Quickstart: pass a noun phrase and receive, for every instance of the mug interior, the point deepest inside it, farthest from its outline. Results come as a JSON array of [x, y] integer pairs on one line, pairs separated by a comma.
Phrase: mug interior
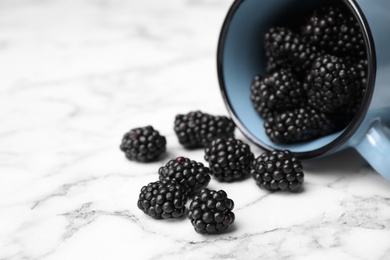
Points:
[[241, 56]]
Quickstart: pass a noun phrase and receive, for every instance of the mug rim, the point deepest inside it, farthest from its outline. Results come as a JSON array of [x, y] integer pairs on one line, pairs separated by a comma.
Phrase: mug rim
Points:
[[358, 117]]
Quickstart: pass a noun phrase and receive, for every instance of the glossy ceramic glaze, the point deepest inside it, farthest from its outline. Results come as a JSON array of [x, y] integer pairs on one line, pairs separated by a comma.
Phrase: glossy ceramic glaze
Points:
[[240, 57]]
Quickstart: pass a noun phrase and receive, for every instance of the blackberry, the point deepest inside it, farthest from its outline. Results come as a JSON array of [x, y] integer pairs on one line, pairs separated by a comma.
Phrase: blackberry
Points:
[[335, 30], [277, 170], [323, 26], [350, 39], [329, 84], [273, 64], [211, 211], [143, 144], [286, 49], [360, 69], [301, 124], [191, 175], [162, 199], [197, 129], [345, 114], [276, 92], [261, 107], [229, 159]]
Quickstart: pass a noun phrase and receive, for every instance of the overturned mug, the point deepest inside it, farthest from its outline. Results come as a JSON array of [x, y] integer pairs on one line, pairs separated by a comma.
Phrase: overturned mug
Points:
[[240, 58]]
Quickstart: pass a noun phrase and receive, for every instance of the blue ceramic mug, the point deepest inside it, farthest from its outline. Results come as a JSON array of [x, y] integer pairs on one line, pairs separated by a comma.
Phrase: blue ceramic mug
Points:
[[240, 58]]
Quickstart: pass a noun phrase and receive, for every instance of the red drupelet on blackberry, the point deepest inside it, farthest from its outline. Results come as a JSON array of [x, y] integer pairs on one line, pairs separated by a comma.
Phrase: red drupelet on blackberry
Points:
[[278, 170], [330, 84], [143, 144], [191, 175], [276, 92], [298, 125], [197, 129], [162, 199], [229, 159], [210, 212]]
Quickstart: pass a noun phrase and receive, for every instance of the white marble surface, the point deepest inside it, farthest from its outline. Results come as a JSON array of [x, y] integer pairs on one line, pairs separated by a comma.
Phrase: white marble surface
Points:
[[76, 74]]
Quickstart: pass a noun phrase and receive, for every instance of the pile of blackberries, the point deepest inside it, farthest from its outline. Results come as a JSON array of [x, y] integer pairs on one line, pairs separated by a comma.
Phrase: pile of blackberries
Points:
[[181, 179], [315, 77]]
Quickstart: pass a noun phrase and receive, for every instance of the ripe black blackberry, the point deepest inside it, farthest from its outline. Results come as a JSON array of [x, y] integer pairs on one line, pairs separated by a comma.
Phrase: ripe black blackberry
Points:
[[286, 49], [360, 69], [191, 175], [278, 170], [297, 125], [162, 199], [143, 144], [197, 129], [345, 114], [323, 26], [211, 212], [273, 64], [229, 159], [335, 30], [351, 39], [278, 91], [261, 107], [329, 84]]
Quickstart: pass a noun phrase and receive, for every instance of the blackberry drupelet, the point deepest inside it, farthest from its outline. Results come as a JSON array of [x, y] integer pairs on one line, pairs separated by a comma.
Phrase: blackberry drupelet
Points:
[[211, 212], [191, 175], [329, 84], [297, 125], [286, 49], [143, 144], [162, 199], [229, 159], [278, 170], [197, 129], [335, 30], [278, 91]]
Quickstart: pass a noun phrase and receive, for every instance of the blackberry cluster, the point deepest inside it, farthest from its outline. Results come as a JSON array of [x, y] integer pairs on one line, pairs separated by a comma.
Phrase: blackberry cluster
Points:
[[298, 125], [315, 80], [360, 71], [278, 170], [273, 64], [191, 175], [143, 144], [197, 129], [276, 92], [162, 199], [229, 159], [330, 84], [336, 31], [323, 27], [210, 212], [288, 50]]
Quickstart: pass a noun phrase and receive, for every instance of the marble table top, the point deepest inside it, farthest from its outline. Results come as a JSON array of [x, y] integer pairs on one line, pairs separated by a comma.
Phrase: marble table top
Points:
[[77, 74]]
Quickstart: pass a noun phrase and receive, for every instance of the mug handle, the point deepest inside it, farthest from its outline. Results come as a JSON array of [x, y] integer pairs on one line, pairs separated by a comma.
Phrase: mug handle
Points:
[[375, 148]]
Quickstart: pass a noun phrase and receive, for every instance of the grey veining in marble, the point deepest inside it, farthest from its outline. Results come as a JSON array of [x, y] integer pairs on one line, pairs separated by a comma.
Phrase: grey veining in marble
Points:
[[75, 75]]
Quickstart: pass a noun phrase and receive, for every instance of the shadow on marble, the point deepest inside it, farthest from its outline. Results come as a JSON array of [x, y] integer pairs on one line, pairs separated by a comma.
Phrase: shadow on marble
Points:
[[347, 162]]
